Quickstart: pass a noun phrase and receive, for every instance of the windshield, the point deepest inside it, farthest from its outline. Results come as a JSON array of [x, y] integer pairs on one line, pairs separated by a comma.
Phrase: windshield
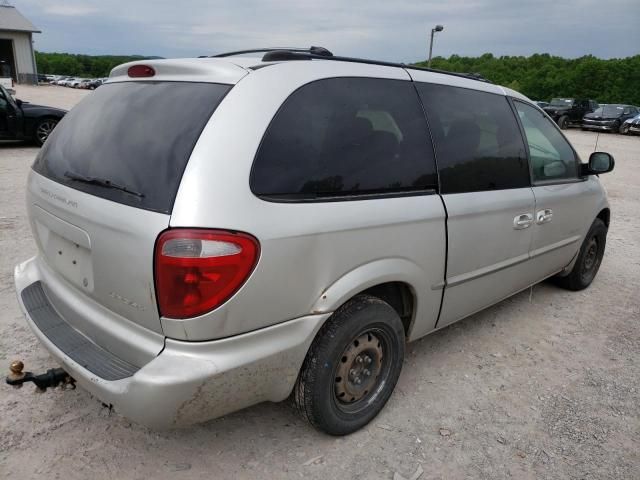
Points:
[[609, 111], [130, 142], [561, 102]]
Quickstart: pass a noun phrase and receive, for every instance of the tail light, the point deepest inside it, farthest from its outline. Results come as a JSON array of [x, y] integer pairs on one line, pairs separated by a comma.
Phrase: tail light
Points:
[[141, 71], [198, 270]]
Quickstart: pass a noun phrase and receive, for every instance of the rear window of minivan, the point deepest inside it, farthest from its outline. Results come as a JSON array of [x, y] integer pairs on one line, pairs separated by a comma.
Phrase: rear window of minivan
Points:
[[130, 142]]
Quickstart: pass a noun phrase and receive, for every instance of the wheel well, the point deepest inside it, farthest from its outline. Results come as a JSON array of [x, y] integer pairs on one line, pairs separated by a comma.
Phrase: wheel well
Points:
[[401, 298], [605, 216]]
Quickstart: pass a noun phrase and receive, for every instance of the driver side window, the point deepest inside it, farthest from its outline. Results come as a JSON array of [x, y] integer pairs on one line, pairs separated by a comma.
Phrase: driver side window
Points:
[[551, 156]]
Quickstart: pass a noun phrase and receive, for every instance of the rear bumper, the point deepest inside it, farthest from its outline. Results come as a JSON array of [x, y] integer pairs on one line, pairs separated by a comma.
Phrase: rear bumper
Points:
[[187, 382]]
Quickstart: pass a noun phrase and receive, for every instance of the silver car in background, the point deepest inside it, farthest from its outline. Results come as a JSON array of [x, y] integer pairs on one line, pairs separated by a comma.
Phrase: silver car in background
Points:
[[217, 232]]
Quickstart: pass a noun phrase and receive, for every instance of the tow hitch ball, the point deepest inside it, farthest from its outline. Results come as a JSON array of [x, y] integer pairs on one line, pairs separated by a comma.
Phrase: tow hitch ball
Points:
[[52, 378]]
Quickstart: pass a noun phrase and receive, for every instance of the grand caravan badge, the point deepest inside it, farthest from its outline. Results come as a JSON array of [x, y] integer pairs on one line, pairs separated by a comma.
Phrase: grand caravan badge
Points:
[[59, 198]]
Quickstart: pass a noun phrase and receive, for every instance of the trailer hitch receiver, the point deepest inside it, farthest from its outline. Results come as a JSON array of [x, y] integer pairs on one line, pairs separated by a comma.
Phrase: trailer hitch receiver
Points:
[[50, 379]]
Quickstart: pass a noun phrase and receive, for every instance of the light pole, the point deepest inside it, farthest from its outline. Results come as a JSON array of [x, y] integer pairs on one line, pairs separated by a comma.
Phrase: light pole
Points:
[[437, 28]]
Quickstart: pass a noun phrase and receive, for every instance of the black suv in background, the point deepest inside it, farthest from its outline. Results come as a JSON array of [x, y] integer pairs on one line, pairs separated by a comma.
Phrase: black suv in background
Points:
[[609, 117], [567, 112]]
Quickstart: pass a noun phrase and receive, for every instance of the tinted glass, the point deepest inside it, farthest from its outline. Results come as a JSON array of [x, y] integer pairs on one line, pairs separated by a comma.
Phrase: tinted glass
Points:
[[561, 102], [551, 156], [346, 136], [138, 135], [609, 111], [477, 139]]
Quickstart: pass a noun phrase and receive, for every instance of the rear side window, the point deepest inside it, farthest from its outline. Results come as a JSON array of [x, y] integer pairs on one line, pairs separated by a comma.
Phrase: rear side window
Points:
[[551, 156], [130, 142], [344, 137], [477, 139]]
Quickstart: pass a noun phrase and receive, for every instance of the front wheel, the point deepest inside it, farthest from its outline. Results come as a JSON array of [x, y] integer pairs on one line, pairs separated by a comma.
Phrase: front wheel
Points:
[[44, 129], [352, 366], [589, 259], [616, 127], [624, 129]]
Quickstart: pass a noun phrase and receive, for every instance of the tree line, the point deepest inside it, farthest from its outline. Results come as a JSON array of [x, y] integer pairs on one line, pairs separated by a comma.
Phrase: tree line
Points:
[[91, 66], [539, 76], [543, 76]]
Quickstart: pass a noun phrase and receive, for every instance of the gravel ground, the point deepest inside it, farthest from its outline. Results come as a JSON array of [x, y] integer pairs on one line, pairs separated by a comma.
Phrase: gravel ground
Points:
[[542, 385]]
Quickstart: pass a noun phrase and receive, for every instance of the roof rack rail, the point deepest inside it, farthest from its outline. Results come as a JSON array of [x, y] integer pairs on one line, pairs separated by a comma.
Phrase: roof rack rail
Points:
[[284, 54], [279, 54], [321, 51]]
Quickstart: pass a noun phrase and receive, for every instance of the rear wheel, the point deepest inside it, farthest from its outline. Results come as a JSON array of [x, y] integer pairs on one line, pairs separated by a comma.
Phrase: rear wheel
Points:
[[352, 366], [589, 259], [44, 129], [563, 122]]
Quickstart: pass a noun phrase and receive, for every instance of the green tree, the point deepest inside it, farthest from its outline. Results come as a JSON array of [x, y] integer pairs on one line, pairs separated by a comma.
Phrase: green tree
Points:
[[543, 76]]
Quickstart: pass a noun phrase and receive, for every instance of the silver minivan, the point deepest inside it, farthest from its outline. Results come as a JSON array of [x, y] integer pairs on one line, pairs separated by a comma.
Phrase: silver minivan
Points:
[[217, 232]]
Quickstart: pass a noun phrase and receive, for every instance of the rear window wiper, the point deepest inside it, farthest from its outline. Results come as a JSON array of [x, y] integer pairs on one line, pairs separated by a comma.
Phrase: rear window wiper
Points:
[[101, 182]]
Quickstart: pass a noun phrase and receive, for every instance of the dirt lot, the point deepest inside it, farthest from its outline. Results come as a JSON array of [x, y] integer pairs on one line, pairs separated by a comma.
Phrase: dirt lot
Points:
[[543, 385]]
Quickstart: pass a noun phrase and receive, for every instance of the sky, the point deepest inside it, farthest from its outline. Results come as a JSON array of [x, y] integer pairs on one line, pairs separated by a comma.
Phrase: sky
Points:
[[386, 30]]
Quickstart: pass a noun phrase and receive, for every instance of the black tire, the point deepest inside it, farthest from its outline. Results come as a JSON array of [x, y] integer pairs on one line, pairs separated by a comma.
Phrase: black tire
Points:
[[364, 333], [589, 259], [563, 122], [624, 129], [43, 129], [616, 127]]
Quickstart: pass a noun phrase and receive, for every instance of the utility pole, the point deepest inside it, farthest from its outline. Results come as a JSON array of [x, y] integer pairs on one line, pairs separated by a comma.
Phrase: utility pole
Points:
[[437, 28]]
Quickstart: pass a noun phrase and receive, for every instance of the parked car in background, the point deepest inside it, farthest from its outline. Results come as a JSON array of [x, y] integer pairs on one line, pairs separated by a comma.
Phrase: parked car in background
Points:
[[334, 236], [91, 84], [75, 83], [541, 104], [64, 80], [26, 121], [569, 112], [631, 125], [609, 118]]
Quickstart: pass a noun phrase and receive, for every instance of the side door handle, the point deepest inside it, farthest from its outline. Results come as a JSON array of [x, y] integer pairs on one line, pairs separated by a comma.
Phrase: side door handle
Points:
[[544, 216], [522, 221]]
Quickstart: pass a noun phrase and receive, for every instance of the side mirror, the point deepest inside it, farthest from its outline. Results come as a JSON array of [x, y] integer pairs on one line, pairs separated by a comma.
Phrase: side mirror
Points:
[[599, 162], [19, 102]]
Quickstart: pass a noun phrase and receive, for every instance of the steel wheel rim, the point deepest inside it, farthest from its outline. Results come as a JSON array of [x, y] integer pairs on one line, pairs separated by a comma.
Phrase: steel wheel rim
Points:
[[44, 129], [362, 370], [591, 258]]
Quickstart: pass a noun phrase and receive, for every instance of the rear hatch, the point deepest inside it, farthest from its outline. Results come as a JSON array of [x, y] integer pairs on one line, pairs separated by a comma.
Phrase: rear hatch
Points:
[[104, 184]]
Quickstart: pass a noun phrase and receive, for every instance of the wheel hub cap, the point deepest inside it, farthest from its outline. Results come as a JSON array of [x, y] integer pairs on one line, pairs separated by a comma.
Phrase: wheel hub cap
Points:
[[44, 130], [359, 368]]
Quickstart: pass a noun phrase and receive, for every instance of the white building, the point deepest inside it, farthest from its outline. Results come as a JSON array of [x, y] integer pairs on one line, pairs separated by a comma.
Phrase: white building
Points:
[[16, 44]]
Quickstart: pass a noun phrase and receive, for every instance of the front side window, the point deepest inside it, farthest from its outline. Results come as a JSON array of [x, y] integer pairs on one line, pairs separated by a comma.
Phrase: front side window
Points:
[[551, 156], [477, 140], [344, 137]]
